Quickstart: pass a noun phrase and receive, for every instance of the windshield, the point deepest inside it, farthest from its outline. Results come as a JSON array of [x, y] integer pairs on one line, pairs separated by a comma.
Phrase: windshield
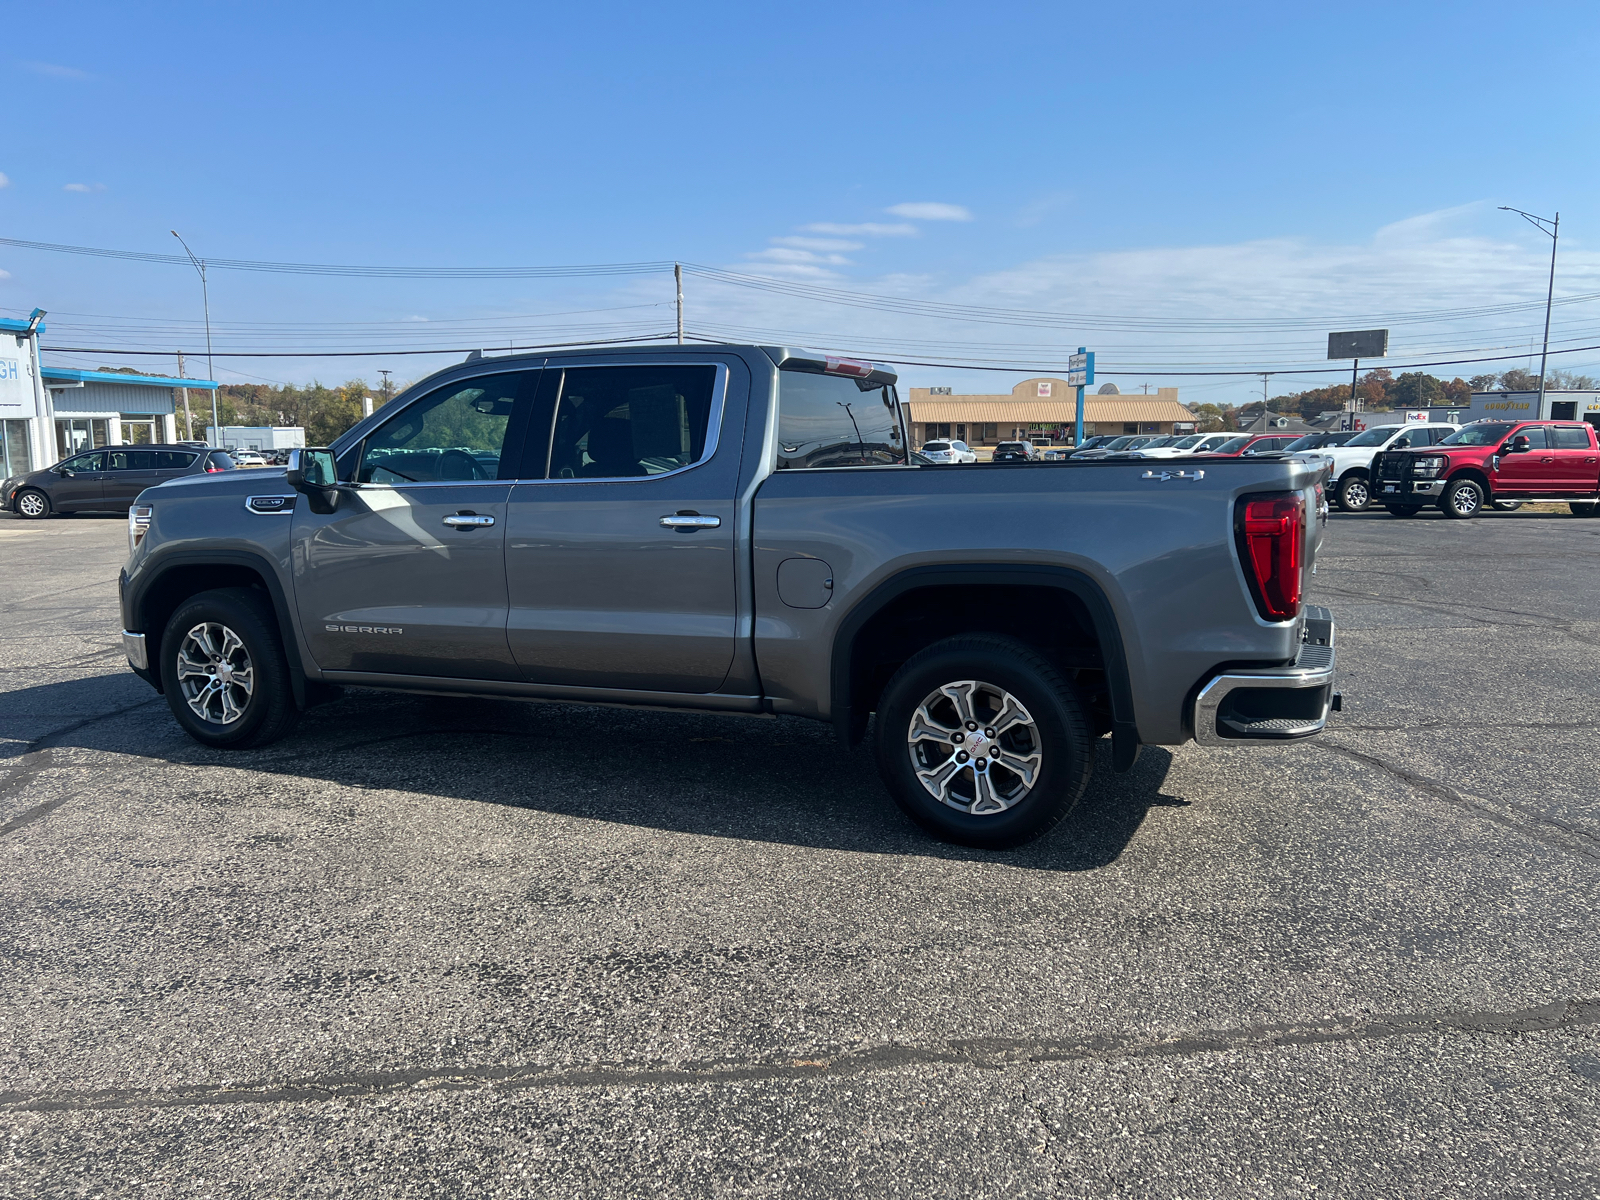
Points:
[[1232, 445], [1479, 435], [1117, 443], [1309, 442], [1374, 437], [936, 446]]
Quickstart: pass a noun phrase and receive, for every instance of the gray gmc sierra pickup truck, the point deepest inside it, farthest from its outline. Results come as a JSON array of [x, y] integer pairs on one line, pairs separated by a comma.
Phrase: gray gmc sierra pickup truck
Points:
[[744, 529]]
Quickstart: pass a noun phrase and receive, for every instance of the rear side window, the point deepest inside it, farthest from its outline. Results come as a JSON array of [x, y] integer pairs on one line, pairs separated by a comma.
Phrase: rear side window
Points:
[[131, 460], [1571, 437], [830, 421], [173, 460], [220, 461], [630, 422]]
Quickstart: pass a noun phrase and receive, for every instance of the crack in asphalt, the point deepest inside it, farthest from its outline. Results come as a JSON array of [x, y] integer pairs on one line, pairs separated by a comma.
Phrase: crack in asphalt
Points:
[[983, 1053], [1527, 822]]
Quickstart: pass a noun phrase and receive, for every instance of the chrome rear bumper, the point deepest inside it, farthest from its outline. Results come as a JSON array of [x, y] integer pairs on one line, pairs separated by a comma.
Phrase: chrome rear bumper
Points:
[[1272, 704]]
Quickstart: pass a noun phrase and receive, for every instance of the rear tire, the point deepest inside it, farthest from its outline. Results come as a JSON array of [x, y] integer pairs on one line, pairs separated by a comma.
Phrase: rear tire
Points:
[[1404, 510], [1591, 509], [1036, 762], [224, 671], [1355, 494], [1462, 500], [1507, 505], [32, 504]]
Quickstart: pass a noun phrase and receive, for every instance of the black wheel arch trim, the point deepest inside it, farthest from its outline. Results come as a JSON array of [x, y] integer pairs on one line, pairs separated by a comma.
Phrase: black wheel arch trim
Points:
[[139, 586], [850, 725]]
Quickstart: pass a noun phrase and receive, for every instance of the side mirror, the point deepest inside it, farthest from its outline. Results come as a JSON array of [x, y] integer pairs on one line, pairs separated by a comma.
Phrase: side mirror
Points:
[[1517, 445], [315, 475]]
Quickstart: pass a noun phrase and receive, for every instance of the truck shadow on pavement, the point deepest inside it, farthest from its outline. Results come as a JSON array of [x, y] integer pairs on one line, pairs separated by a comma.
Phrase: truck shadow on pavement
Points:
[[782, 781]]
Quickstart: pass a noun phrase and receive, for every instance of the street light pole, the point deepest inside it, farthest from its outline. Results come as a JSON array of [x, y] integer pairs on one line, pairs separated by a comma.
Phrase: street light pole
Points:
[[1554, 234], [211, 371]]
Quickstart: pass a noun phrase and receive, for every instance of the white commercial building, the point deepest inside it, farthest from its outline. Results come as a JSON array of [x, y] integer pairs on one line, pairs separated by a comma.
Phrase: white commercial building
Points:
[[48, 413]]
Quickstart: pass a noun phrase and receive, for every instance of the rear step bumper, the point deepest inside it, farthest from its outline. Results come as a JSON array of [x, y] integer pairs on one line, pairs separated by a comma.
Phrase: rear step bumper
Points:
[[1274, 704]]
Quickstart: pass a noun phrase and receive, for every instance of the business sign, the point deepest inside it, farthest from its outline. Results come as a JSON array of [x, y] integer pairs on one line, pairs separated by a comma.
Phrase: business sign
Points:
[[1080, 370], [1420, 414], [1359, 343], [16, 379]]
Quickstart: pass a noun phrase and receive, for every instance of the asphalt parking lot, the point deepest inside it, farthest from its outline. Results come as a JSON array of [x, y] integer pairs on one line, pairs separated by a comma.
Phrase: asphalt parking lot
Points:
[[431, 948]]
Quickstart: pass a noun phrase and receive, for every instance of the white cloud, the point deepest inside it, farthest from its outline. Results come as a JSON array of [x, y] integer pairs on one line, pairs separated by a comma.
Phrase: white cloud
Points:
[[787, 254], [865, 229], [930, 211], [84, 187], [5, 180], [414, 318], [5, 274], [56, 71], [805, 243]]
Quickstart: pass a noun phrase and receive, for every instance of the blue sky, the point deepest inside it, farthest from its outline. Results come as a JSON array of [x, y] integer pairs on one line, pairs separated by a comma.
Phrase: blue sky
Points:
[[1171, 163]]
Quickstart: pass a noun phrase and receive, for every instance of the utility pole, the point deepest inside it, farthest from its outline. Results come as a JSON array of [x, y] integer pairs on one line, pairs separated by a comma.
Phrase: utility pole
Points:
[[677, 276], [188, 417], [1554, 234], [211, 370], [387, 390]]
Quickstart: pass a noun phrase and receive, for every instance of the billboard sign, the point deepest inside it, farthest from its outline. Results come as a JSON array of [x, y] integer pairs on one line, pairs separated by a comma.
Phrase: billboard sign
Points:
[[1359, 343]]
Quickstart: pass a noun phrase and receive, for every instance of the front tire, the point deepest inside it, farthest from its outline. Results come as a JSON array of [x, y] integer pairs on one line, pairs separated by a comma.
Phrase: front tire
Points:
[[224, 671], [1024, 755], [1462, 500], [32, 504], [1355, 494]]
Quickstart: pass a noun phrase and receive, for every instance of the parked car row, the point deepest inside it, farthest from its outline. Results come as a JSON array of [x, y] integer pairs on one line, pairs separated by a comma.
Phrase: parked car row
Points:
[[1499, 463]]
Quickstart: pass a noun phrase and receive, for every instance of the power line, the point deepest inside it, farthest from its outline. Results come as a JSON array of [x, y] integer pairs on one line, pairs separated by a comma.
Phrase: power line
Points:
[[288, 268]]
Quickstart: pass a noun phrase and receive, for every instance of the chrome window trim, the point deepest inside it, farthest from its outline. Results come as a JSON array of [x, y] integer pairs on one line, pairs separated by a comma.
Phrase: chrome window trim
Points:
[[719, 388], [719, 396]]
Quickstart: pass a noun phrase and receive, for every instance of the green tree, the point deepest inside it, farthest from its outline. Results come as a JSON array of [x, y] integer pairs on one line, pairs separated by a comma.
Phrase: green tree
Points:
[[1416, 389]]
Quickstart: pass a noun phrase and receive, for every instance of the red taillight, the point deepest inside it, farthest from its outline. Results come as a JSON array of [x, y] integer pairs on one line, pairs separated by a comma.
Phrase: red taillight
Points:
[[847, 366], [1272, 534], [213, 470]]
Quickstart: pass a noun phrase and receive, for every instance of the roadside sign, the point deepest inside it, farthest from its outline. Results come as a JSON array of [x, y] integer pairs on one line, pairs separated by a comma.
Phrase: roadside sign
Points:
[[1359, 343], [1079, 372]]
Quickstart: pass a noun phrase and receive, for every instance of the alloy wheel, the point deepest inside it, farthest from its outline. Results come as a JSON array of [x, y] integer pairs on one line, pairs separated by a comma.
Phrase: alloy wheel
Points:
[[975, 747], [1465, 501], [31, 504], [215, 673]]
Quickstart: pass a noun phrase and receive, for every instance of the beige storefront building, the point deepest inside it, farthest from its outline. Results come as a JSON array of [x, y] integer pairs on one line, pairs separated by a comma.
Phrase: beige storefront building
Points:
[[1040, 407]]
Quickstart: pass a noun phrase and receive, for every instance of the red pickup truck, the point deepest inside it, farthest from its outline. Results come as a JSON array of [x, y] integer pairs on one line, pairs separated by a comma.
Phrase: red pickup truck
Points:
[[1490, 461]]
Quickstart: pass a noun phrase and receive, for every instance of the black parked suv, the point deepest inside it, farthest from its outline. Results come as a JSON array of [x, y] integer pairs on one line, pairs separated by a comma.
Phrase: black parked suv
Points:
[[106, 480]]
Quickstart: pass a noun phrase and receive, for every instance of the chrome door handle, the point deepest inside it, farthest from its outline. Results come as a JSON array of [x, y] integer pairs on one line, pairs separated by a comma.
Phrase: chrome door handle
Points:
[[467, 521], [691, 521]]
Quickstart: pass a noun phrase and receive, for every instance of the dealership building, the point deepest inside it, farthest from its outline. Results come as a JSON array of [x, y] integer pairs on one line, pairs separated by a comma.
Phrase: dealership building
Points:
[[48, 413], [1043, 406]]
